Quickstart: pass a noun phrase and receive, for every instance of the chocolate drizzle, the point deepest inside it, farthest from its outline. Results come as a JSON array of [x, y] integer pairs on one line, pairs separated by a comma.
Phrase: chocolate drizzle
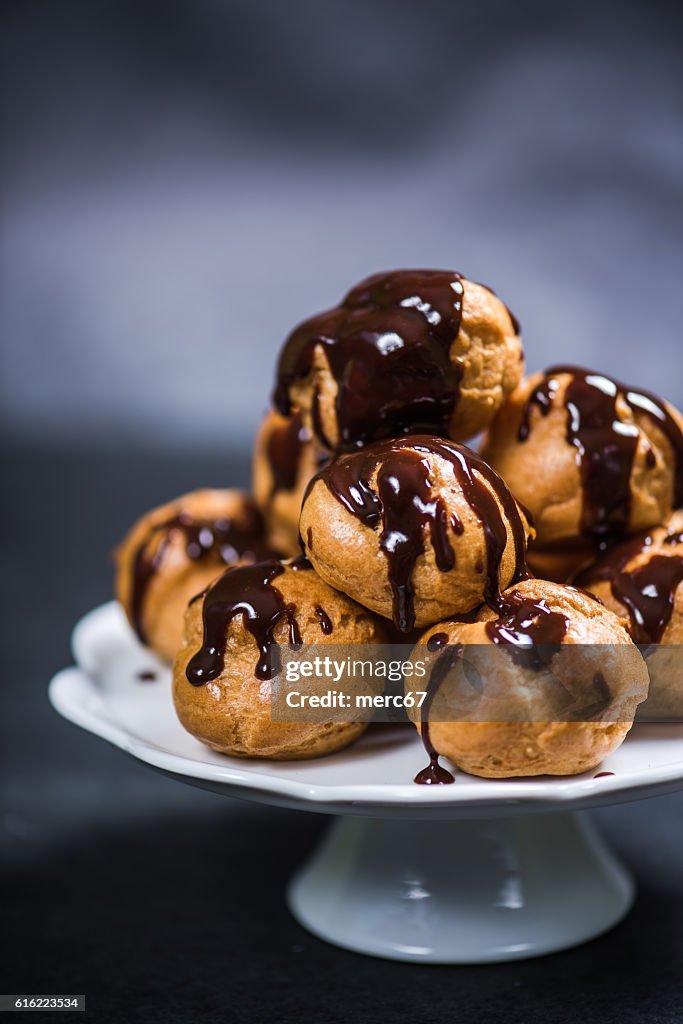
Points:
[[606, 443], [324, 619], [245, 591], [533, 631], [402, 504], [221, 540], [388, 347], [647, 591], [435, 774]]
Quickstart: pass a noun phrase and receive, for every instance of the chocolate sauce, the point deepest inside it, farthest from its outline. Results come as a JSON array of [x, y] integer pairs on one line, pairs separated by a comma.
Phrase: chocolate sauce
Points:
[[402, 503], [325, 621], [435, 774], [388, 348], [673, 538], [606, 444], [602, 775], [245, 590], [219, 540], [648, 591], [532, 630], [436, 641], [147, 676], [300, 563], [284, 448]]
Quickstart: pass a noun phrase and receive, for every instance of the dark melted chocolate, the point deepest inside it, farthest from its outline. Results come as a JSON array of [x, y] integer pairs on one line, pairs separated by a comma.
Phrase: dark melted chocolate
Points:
[[147, 676], [435, 774], [324, 619], [220, 540], [402, 505], [533, 631], [245, 591], [605, 443], [647, 591], [388, 347]]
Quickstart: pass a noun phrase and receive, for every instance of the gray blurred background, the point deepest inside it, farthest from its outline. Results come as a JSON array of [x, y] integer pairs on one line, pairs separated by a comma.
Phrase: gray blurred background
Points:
[[183, 182]]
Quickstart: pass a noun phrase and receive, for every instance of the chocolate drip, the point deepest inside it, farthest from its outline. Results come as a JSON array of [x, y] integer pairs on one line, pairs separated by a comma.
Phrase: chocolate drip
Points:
[[436, 641], [647, 591], [605, 443], [435, 774], [147, 676], [388, 348], [248, 591], [602, 775], [533, 631], [324, 619], [401, 501], [284, 448], [220, 540], [300, 563]]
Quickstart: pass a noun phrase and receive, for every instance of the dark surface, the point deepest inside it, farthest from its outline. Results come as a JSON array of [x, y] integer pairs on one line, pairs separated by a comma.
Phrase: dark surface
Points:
[[164, 903]]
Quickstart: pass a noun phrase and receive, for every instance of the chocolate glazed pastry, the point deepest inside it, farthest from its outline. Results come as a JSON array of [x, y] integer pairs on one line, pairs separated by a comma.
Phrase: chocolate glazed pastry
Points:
[[641, 578], [553, 705], [174, 551], [415, 528], [623, 447], [223, 674], [285, 459], [406, 351]]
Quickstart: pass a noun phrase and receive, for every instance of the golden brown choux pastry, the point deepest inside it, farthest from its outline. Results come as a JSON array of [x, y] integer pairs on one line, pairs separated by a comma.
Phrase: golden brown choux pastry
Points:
[[416, 529], [405, 352], [592, 459], [642, 580], [559, 655], [223, 674], [173, 551], [285, 459]]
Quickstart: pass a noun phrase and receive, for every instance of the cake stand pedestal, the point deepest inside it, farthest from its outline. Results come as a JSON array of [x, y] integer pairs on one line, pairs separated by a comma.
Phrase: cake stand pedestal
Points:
[[456, 892]]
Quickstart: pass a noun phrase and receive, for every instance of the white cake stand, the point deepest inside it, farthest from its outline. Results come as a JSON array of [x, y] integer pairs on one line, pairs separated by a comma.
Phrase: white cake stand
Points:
[[476, 872]]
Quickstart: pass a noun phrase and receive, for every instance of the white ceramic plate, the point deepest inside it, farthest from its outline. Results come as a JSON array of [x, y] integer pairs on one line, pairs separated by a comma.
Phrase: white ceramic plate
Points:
[[105, 696]]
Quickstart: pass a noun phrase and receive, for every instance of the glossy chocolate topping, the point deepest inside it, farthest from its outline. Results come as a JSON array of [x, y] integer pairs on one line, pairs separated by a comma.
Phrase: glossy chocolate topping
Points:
[[435, 774], [324, 619], [388, 487], [605, 443], [647, 591], [533, 631], [245, 591], [388, 348], [223, 541]]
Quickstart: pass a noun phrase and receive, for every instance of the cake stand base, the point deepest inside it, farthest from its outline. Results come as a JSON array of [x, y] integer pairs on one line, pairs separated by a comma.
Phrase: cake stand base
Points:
[[460, 892]]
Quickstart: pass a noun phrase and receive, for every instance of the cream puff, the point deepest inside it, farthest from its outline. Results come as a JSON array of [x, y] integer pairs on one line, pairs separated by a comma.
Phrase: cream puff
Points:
[[642, 580], [406, 351], [593, 460], [416, 529], [174, 550], [546, 685], [285, 458], [224, 673]]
